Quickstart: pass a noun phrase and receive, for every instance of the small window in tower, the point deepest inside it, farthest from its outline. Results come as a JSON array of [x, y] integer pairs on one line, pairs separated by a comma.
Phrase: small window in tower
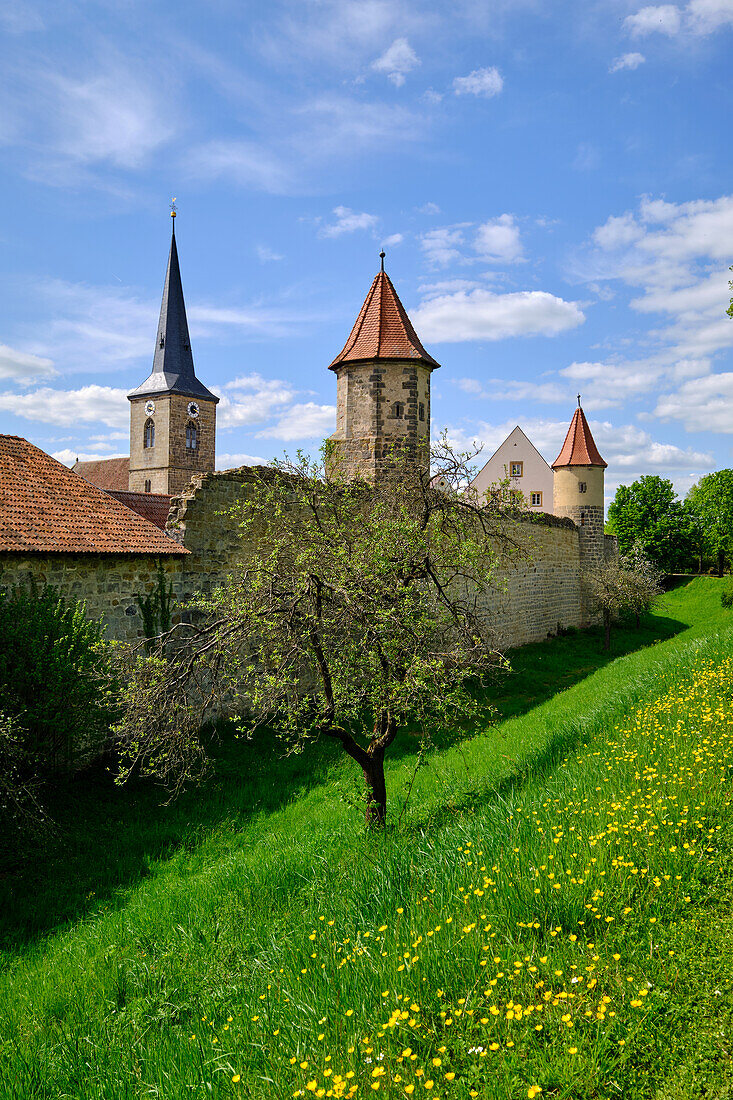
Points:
[[147, 486], [582, 487], [421, 411], [191, 437], [398, 410], [149, 434], [582, 519], [517, 469]]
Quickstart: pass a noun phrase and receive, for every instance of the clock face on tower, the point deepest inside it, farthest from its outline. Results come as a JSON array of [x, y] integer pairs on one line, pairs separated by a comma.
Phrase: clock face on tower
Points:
[[192, 410], [149, 408]]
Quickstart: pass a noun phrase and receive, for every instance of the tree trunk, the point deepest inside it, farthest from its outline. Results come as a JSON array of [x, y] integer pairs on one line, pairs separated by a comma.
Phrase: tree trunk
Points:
[[606, 629], [376, 789]]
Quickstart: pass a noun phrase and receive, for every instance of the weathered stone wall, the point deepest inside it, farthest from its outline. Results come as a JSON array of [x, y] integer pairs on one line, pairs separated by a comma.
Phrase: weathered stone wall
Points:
[[108, 583], [542, 583]]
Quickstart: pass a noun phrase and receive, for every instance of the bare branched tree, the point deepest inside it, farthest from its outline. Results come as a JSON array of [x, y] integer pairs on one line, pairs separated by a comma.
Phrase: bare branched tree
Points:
[[357, 610], [626, 584]]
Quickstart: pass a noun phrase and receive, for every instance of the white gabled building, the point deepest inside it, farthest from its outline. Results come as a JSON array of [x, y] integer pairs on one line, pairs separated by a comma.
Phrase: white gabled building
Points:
[[528, 473]]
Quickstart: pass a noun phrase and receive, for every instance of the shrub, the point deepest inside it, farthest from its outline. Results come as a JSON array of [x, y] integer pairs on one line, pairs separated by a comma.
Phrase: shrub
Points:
[[54, 681]]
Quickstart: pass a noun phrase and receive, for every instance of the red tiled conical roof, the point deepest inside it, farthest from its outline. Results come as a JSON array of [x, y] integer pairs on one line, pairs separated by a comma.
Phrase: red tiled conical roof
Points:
[[382, 330], [579, 448]]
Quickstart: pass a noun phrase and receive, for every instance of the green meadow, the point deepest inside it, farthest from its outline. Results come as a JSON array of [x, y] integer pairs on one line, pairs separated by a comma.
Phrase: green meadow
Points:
[[548, 914]]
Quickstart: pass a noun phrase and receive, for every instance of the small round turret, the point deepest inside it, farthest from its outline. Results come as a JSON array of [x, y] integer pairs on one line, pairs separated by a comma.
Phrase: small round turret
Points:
[[578, 487]]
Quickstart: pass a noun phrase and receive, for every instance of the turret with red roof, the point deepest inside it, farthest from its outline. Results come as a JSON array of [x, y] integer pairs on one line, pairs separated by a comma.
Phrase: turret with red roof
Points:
[[383, 388], [578, 488]]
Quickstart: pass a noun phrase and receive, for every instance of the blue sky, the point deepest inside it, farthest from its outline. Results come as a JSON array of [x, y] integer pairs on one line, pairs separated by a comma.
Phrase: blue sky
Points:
[[551, 181]]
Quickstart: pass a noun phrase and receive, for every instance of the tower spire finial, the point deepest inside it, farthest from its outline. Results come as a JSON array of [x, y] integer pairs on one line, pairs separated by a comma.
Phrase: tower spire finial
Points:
[[578, 400], [382, 254], [173, 214]]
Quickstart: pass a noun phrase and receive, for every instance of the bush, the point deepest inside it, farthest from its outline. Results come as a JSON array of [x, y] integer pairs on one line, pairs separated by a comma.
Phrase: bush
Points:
[[54, 681]]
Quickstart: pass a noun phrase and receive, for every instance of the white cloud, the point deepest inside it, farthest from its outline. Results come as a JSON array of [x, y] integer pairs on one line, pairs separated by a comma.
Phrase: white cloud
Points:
[[441, 245], [605, 385], [482, 315], [482, 82], [447, 286], [393, 240], [396, 61], [233, 462], [306, 421], [500, 389], [69, 457], [246, 163], [676, 256], [627, 61], [20, 366], [706, 16], [347, 221], [587, 158], [101, 404], [497, 240], [429, 208], [701, 404], [252, 399], [662, 19], [266, 254]]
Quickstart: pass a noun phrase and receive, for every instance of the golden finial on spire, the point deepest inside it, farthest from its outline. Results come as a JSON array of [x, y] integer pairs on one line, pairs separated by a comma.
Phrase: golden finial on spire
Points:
[[173, 207]]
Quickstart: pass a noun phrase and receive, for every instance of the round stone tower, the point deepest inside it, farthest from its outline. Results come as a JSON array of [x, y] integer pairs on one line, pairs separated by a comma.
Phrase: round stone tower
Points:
[[578, 490], [383, 389]]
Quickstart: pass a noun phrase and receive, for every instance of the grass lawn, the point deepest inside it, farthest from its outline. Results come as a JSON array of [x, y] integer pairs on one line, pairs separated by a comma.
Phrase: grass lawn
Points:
[[548, 916]]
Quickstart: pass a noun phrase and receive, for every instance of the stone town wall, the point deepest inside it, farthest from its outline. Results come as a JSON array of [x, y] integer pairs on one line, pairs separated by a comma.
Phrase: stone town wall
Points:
[[108, 583], [542, 585]]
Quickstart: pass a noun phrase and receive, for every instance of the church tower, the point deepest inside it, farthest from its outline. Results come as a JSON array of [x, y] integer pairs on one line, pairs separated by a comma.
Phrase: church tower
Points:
[[578, 487], [382, 389], [172, 414]]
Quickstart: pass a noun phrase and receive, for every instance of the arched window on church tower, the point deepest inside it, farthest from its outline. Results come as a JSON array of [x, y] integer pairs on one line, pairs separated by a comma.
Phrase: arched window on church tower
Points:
[[398, 410], [149, 433], [191, 436]]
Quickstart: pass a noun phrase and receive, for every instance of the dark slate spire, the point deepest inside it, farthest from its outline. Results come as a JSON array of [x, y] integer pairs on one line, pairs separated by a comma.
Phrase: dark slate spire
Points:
[[173, 370]]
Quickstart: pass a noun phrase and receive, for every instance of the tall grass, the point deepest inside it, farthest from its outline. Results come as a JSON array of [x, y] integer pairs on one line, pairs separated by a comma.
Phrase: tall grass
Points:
[[217, 973]]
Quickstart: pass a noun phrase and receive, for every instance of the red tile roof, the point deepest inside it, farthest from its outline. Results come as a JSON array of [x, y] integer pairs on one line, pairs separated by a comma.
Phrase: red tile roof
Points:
[[579, 448], [46, 508], [105, 473], [151, 506], [382, 330]]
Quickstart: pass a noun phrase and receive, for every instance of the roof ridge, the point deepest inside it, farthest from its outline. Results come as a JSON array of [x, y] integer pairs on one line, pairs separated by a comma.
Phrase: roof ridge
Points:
[[579, 448]]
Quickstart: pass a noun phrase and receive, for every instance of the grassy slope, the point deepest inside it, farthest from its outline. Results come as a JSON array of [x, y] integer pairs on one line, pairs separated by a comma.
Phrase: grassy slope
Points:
[[198, 902]]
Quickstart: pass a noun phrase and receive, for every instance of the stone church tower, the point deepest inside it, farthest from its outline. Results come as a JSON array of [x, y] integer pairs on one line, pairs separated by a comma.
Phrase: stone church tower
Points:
[[172, 414], [383, 388], [578, 487]]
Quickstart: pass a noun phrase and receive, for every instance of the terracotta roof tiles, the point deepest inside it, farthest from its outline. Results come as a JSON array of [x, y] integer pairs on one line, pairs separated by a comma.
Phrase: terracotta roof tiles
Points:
[[151, 506], [46, 508], [382, 330], [105, 473], [579, 448]]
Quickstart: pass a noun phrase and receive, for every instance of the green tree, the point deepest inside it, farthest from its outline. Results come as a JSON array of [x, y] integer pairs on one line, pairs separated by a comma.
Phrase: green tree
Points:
[[711, 500], [358, 611], [649, 515]]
